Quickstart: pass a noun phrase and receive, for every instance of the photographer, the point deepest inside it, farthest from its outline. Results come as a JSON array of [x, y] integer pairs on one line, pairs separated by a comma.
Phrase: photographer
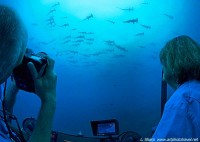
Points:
[[13, 40]]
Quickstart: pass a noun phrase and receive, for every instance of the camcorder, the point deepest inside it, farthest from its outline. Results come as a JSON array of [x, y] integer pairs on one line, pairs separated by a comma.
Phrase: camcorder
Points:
[[22, 74]]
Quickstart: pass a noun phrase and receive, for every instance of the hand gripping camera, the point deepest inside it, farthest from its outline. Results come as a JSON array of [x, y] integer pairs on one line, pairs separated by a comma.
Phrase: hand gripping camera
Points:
[[22, 75]]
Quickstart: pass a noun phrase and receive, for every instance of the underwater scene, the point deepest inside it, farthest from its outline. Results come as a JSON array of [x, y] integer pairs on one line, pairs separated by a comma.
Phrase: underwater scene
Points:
[[106, 56]]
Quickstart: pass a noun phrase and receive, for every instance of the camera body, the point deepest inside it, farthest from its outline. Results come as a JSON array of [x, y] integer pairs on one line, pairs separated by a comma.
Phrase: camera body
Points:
[[22, 75]]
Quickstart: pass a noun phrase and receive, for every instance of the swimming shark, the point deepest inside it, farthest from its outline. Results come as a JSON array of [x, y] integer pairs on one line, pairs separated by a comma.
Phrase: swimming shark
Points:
[[51, 11], [81, 36], [145, 26], [64, 25], [90, 39], [72, 51], [89, 43], [132, 21], [110, 42], [80, 40], [169, 16], [145, 3], [50, 18], [56, 4], [76, 44], [88, 17], [121, 48], [111, 21], [139, 34], [90, 33], [51, 23], [118, 56], [67, 41], [83, 32], [127, 9]]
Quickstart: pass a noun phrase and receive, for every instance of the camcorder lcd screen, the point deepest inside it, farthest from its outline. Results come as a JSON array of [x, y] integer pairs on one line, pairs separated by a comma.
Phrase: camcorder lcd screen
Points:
[[106, 128]]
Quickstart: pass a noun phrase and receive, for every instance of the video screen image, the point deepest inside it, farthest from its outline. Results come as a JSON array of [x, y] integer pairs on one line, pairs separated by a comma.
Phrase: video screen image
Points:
[[106, 128]]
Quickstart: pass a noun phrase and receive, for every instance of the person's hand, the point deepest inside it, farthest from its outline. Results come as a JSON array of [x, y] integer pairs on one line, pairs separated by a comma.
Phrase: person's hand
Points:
[[45, 86]]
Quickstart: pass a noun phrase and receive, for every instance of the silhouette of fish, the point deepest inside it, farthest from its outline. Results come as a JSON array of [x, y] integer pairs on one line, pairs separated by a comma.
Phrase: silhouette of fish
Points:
[[67, 41], [64, 25], [80, 40], [139, 34], [88, 17], [145, 26], [145, 3], [126, 9], [118, 56], [110, 42], [52, 11], [89, 43], [90, 39], [81, 36], [72, 51], [121, 48], [111, 21], [56, 4], [51, 23], [132, 21], [83, 32], [50, 18], [90, 33], [169, 16]]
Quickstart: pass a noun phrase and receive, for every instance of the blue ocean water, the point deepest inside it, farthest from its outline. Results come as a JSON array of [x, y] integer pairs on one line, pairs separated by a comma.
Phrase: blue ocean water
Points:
[[107, 57]]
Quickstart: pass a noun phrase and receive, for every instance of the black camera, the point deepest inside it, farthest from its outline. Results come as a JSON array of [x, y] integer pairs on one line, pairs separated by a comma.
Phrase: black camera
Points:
[[22, 75]]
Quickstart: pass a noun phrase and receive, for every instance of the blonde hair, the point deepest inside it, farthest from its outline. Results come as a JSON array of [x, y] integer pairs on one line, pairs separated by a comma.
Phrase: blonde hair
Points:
[[13, 39], [181, 57]]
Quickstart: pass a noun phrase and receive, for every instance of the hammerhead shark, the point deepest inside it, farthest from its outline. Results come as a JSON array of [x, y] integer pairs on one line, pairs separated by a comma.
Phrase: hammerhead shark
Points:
[[51, 11], [88, 17], [139, 34], [64, 25], [109, 41], [169, 16], [127, 9], [132, 21], [145, 26], [56, 4], [111, 21]]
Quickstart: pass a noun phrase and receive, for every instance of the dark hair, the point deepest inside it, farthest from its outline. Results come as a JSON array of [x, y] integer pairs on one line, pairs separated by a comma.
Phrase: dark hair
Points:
[[181, 56]]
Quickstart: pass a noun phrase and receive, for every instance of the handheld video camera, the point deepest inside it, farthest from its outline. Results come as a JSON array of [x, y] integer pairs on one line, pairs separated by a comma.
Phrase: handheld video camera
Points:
[[22, 75]]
